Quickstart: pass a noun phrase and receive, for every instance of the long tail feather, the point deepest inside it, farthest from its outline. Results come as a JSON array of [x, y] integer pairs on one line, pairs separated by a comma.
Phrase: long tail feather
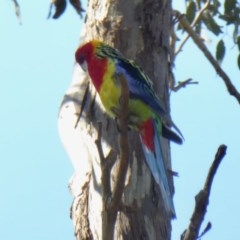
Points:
[[155, 161]]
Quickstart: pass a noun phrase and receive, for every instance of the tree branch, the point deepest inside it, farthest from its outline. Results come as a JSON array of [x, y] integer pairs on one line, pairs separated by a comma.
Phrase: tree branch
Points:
[[212, 171], [202, 198], [109, 217], [112, 198], [230, 87], [195, 21], [174, 39], [123, 143], [183, 84]]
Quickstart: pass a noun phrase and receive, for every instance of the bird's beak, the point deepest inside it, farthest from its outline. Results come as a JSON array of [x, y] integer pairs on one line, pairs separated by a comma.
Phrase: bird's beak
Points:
[[84, 66]]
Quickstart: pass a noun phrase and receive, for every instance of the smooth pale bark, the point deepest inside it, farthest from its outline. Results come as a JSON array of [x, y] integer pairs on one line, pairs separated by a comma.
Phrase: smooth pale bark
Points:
[[140, 29]]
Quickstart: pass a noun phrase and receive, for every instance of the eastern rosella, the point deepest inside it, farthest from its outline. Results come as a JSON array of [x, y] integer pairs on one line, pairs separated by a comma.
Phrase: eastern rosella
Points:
[[146, 112]]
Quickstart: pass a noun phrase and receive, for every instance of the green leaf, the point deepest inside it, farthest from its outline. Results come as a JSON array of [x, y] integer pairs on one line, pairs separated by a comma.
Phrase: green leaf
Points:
[[238, 61], [231, 17], [235, 34], [211, 24], [191, 11], [214, 7], [238, 42], [60, 6], [220, 51], [229, 5], [77, 6]]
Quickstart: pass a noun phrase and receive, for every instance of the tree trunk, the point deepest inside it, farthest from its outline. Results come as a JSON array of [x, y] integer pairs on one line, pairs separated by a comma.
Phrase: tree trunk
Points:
[[140, 30]]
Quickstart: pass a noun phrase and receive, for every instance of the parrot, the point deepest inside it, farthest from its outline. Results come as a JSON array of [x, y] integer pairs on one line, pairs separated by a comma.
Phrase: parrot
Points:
[[147, 114]]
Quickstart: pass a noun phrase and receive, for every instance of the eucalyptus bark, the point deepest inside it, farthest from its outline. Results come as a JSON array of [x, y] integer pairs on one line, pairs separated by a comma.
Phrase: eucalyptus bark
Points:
[[140, 30]]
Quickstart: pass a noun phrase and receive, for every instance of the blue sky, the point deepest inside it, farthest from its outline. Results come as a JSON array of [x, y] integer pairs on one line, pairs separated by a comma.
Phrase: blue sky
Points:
[[35, 71], [208, 116]]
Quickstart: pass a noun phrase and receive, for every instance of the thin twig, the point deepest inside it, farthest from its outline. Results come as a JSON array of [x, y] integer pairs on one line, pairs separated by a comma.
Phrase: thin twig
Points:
[[17, 11], [230, 87], [202, 198], [195, 21], [174, 39], [82, 104], [183, 84], [98, 142]]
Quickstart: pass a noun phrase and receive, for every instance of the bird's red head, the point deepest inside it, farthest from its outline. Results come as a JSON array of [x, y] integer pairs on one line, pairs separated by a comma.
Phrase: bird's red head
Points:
[[86, 57], [85, 52]]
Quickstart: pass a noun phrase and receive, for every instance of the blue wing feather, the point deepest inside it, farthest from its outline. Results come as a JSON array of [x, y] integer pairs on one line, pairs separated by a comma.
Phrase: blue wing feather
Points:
[[140, 85]]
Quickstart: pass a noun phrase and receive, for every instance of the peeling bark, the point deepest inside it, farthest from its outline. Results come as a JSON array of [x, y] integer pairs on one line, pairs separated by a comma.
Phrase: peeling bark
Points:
[[139, 29]]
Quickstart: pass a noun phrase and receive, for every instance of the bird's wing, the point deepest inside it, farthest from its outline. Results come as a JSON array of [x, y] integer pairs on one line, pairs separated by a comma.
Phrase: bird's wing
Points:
[[140, 86]]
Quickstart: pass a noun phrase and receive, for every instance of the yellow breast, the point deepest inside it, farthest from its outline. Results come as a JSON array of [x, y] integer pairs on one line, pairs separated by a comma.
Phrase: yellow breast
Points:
[[110, 93], [110, 89]]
